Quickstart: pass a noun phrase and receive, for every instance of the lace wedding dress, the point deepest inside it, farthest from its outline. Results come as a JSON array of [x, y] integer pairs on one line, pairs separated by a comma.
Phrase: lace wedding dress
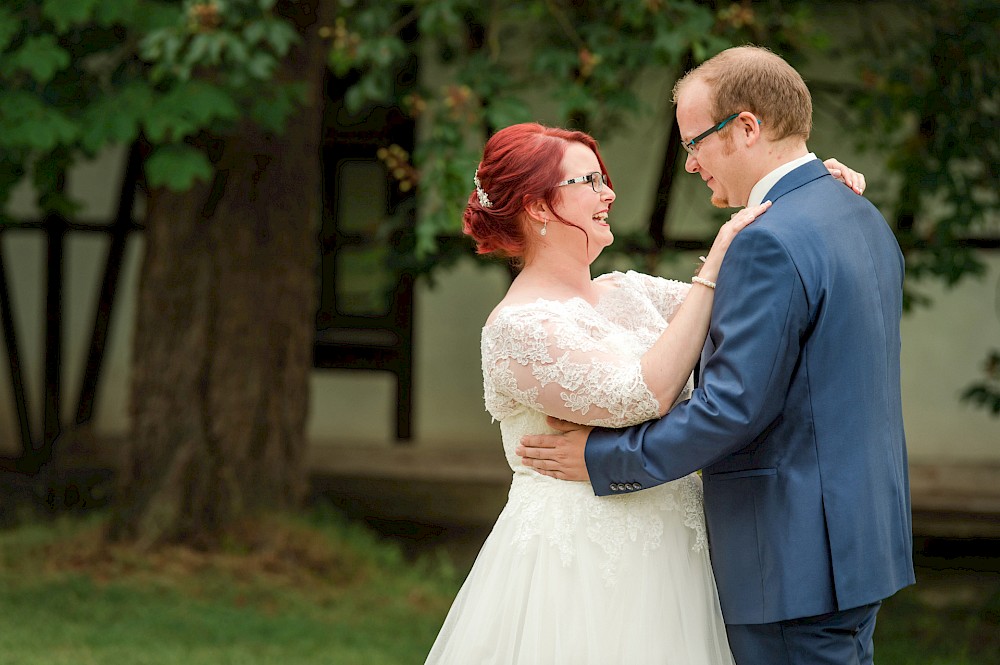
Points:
[[566, 577]]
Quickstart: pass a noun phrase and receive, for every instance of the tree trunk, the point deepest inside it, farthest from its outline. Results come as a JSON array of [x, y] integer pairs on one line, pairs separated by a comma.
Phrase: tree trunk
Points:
[[225, 326]]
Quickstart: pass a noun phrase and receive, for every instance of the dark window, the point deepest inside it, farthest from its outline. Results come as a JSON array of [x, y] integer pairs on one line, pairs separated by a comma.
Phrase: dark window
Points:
[[365, 316]]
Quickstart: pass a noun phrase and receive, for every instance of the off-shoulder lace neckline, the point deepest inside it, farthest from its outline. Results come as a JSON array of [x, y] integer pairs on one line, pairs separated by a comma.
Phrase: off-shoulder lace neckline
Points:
[[606, 294]]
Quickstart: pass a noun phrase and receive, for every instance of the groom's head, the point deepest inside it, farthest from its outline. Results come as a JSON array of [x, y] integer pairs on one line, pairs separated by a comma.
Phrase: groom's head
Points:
[[741, 114]]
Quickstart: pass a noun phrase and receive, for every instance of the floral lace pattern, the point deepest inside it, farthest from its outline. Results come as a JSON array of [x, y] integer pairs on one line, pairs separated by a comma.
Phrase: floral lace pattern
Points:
[[577, 361], [582, 363]]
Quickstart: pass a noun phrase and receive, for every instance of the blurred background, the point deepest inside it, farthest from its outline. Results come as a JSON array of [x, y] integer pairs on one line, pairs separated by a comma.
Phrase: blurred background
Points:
[[234, 289]]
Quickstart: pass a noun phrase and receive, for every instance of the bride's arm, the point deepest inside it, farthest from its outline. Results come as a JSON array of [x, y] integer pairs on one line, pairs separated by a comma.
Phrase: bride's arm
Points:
[[560, 362], [667, 365], [564, 364]]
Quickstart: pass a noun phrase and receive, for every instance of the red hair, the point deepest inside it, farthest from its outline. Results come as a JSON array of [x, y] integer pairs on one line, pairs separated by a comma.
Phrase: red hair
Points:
[[521, 164]]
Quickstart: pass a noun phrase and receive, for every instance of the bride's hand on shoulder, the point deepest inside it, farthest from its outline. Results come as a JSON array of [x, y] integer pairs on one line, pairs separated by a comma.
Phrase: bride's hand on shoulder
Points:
[[739, 221], [853, 179]]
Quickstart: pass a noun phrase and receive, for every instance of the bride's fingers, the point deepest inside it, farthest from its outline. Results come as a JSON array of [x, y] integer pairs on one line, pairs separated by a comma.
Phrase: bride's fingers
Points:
[[853, 179], [742, 218]]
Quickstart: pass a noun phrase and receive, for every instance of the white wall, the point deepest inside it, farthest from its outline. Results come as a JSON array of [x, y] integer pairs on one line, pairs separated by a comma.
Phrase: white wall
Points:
[[944, 348]]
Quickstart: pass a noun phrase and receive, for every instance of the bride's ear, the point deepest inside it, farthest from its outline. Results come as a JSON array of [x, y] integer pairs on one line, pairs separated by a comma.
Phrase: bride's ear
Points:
[[537, 210]]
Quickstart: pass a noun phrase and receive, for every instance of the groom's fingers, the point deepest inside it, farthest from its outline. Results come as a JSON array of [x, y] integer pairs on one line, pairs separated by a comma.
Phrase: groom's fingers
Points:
[[545, 467], [537, 444]]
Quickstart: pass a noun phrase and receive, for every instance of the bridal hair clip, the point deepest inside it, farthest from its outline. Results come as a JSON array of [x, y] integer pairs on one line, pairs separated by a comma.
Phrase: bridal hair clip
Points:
[[484, 200]]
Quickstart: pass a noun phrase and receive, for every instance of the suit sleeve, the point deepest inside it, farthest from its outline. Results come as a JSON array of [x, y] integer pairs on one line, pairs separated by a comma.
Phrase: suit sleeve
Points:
[[759, 317]]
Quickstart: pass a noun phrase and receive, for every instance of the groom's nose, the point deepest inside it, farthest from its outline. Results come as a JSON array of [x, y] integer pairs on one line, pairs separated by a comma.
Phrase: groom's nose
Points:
[[691, 164]]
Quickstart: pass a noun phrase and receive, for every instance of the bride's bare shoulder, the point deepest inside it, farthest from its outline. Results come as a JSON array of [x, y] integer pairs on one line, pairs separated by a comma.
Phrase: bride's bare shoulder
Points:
[[509, 304]]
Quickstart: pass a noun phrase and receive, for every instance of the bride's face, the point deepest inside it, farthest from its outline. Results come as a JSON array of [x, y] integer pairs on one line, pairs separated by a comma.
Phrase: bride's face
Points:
[[580, 205]]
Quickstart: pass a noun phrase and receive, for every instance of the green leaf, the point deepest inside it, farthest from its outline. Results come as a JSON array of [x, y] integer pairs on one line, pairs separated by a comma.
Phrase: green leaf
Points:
[[254, 32], [272, 111], [10, 26], [48, 175], [11, 173], [199, 48], [144, 17], [40, 56], [109, 12], [261, 66], [238, 51], [280, 35], [506, 111], [177, 167], [186, 109], [115, 118], [66, 13], [31, 124]]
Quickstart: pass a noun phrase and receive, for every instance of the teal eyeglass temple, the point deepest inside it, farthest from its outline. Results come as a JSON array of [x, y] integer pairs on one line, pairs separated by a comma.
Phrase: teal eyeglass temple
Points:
[[689, 145]]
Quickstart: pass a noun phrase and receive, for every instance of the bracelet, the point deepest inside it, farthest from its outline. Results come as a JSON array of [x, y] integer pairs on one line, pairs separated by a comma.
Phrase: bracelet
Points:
[[702, 281]]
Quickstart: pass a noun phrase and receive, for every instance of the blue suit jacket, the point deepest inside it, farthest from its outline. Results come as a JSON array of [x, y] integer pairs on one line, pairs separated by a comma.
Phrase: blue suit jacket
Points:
[[797, 424]]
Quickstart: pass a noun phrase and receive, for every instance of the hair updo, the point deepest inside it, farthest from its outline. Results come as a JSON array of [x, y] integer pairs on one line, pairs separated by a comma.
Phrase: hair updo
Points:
[[521, 164]]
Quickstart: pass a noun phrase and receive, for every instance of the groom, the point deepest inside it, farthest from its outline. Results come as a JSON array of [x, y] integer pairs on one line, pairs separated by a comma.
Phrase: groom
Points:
[[797, 423]]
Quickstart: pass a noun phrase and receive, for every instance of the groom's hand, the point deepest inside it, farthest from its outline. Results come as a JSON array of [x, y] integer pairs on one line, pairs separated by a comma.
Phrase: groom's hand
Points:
[[557, 455]]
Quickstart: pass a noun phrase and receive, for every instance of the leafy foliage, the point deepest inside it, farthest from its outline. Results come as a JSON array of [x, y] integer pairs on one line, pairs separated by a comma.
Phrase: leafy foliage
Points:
[[583, 58], [79, 75], [931, 96], [986, 393]]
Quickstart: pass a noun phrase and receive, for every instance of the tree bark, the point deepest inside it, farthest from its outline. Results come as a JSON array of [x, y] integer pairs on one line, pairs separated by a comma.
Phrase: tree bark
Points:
[[223, 345]]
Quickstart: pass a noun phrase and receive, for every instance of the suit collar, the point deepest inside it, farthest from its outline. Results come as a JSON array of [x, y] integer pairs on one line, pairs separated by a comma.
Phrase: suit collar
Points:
[[806, 173], [764, 185]]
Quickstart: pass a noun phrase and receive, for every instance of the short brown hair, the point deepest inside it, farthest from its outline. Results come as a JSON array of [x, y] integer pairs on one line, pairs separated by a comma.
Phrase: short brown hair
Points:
[[752, 78]]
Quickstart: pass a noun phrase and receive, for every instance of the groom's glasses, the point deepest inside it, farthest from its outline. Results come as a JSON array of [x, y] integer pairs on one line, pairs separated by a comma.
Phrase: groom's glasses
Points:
[[692, 145], [596, 179]]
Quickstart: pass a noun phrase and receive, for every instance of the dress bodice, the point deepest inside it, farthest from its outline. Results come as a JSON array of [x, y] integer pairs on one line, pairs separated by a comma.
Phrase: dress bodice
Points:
[[576, 361]]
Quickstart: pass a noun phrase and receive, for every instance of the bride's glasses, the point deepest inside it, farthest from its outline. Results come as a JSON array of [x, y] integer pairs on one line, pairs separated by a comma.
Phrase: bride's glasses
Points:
[[596, 179]]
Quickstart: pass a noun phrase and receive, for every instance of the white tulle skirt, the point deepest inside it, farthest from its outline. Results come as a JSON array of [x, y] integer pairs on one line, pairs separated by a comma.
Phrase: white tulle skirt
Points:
[[569, 578]]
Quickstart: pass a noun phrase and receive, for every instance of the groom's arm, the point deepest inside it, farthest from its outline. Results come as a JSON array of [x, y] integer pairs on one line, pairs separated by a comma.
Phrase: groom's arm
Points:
[[759, 317]]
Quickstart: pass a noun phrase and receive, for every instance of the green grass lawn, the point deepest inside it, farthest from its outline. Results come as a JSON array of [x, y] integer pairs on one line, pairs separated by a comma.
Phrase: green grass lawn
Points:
[[324, 591], [284, 592]]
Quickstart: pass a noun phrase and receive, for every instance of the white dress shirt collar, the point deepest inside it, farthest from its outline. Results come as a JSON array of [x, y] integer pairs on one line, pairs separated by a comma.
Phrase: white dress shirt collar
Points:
[[765, 184]]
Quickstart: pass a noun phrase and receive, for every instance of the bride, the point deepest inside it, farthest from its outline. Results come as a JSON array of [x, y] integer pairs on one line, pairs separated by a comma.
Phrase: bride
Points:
[[566, 577]]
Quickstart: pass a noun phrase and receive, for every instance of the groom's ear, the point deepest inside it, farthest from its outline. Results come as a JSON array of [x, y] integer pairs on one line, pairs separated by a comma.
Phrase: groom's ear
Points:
[[750, 126]]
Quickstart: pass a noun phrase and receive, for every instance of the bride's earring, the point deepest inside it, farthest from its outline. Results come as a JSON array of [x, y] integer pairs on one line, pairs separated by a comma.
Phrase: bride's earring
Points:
[[545, 228]]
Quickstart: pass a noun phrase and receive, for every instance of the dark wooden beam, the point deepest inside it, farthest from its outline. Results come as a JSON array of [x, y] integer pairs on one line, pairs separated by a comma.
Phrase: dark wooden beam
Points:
[[668, 169], [52, 421], [14, 364], [120, 230]]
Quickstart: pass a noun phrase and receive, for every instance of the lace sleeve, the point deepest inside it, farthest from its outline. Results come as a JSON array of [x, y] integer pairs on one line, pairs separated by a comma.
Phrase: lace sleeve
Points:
[[665, 294], [567, 366]]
